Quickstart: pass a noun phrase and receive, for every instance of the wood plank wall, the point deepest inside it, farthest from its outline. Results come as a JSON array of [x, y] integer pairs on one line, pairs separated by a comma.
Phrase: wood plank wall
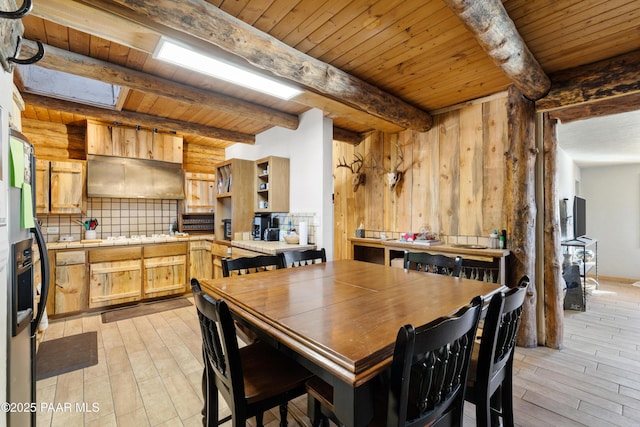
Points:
[[453, 184], [57, 141]]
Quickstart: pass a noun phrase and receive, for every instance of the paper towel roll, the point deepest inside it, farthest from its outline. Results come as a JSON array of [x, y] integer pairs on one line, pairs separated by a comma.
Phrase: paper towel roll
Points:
[[304, 233]]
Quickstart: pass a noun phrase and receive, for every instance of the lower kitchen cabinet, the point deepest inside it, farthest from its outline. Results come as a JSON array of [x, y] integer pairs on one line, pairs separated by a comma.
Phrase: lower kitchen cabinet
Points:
[[115, 276], [165, 269], [200, 260], [70, 292]]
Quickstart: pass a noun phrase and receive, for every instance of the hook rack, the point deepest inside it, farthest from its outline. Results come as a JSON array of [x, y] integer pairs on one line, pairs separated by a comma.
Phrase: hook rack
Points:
[[23, 11], [35, 58]]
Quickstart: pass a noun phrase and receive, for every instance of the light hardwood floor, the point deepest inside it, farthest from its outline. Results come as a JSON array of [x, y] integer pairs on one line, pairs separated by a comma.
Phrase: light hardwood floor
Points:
[[150, 367]]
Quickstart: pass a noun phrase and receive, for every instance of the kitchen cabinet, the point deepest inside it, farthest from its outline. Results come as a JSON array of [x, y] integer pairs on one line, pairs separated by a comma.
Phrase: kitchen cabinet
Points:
[[219, 251], [272, 185], [165, 269], [200, 259], [124, 141], [70, 284], [200, 192], [59, 187], [234, 196], [42, 186], [115, 276], [67, 187]]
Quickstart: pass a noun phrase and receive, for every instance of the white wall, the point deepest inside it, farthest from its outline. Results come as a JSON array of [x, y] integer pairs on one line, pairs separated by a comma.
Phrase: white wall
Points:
[[568, 175], [612, 196], [309, 151]]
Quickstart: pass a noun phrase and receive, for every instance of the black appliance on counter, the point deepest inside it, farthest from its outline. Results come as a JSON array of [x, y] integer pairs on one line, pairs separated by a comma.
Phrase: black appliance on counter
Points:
[[272, 234], [23, 325], [260, 225], [226, 226]]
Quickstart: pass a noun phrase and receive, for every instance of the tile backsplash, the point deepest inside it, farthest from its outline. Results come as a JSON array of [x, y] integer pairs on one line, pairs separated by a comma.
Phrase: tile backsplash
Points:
[[287, 221], [116, 217]]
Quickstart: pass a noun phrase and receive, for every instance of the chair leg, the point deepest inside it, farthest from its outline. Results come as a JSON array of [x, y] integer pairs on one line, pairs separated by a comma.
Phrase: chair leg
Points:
[[483, 411], [210, 395], [507, 403], [284, 411], [495, 407], [259, 419]]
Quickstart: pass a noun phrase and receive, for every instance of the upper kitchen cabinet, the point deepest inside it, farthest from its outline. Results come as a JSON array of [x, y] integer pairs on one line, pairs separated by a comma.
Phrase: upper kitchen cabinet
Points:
[[60, 187], [42, 186], [200, 192], [234, 197], [272, 185], [123, 141], [67, 187]]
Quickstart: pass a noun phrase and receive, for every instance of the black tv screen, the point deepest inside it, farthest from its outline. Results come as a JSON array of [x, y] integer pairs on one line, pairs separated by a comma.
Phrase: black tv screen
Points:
[[579, 217]]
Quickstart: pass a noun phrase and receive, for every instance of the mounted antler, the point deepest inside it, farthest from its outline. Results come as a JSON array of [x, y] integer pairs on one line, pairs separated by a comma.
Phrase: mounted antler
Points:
[[394, 175], [358, 177]]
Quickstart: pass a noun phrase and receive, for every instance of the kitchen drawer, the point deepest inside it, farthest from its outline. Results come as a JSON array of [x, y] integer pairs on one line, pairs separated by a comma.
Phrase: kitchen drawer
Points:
[[114, 254], [165, 249]]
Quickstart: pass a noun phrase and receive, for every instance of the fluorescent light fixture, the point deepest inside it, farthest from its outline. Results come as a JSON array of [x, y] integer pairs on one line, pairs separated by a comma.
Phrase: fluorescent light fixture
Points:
[[184, 57]]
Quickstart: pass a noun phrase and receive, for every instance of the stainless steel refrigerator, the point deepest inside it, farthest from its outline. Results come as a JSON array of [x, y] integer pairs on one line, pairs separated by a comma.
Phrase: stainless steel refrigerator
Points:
[[23, 314]]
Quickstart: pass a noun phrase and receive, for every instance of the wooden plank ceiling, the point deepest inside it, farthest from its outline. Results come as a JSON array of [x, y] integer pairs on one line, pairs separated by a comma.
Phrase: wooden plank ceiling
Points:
[[415, 50]]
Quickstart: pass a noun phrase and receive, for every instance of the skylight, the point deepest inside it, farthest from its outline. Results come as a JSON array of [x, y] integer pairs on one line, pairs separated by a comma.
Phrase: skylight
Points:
[[69, 87]]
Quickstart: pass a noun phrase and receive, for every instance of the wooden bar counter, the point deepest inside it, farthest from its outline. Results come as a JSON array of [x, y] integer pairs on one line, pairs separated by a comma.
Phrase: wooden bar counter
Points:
[[383, 251]]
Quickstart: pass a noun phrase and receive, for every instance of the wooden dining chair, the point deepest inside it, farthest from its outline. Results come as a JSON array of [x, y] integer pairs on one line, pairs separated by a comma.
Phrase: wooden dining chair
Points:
[[433, 263], [485, 271], [427, 377], [247, 265], [301, 258], [490, 385], [251, 379]]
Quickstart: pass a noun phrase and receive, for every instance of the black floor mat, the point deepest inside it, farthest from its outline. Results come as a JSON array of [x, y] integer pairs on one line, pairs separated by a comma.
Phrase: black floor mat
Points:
[[66, 354], [144, 309]]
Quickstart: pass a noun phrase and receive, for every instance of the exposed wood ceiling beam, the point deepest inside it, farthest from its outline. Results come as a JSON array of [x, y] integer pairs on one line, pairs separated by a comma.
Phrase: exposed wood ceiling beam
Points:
[[116, 23], [208, 23], [347, 136], [611, 78], [73, 63], [606, 107], [132, 118], [498, 36]]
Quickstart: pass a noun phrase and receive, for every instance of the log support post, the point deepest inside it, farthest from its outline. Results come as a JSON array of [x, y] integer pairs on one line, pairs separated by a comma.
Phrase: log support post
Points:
[[520, 206], [553, 295]]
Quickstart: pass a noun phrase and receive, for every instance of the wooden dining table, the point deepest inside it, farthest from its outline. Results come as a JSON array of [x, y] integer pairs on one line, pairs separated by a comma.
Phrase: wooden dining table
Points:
[[340, 319]]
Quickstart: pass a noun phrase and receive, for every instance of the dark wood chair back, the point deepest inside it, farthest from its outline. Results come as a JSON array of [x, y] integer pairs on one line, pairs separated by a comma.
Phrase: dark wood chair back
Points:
[[433, 263], [301, 258], [485, 271], [427, 378], [429, 370], [247, 265], [251, 379], [220, 349], [492, 363]]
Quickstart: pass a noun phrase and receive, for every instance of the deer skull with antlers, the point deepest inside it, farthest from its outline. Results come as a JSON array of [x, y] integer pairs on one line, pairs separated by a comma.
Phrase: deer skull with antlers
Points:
[[393, 175], [355, 166]]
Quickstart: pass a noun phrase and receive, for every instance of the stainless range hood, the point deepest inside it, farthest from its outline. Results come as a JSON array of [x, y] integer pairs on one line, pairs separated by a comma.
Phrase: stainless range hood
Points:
[[120, 177]]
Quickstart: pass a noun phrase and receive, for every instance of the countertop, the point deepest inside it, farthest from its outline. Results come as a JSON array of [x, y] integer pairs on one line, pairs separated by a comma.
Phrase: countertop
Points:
[[128, 241], [457, 249], [269, 248]]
